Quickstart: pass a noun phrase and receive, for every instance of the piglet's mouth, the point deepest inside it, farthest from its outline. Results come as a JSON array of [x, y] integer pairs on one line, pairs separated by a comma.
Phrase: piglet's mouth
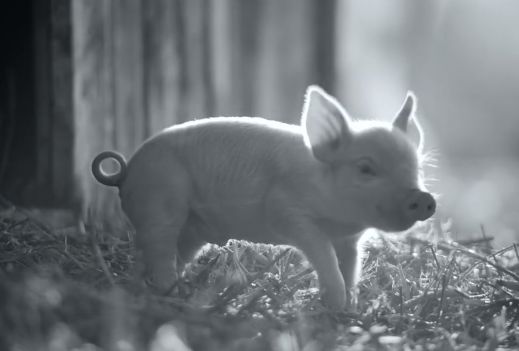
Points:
[[390, 221]]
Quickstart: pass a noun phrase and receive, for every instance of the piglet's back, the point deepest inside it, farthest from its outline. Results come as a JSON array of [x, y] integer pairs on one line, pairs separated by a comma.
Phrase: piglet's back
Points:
[[221, 153]]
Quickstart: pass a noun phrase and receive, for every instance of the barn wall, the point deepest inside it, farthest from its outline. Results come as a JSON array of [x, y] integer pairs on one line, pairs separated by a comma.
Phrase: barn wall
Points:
[[36, 118], [61, 101], [140, 66]]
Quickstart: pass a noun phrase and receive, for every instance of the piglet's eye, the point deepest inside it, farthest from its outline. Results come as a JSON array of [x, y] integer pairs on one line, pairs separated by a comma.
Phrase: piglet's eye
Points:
[[366, 167]]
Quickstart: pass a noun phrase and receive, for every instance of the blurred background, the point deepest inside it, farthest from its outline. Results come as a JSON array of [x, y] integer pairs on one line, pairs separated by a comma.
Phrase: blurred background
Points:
[[78, 77]]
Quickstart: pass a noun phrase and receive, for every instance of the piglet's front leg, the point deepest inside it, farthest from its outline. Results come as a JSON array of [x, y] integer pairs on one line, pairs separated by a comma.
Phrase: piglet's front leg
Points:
[[299, 231], [350, 265], [321, 254]]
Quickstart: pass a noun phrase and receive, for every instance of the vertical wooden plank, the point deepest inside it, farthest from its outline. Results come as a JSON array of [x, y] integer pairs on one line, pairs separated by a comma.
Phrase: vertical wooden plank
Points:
[[61, 101], [164, 80], [221, 52], [249, 15], [287, 61], [323, 24], [196, 48], [93, 100], [53, 103], [207, 58], [42, 93], [264, 54], [235, 37], [127, 75]]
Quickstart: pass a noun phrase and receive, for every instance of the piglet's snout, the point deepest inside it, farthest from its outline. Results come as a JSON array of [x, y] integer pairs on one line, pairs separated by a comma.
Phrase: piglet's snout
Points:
[[419, 205]]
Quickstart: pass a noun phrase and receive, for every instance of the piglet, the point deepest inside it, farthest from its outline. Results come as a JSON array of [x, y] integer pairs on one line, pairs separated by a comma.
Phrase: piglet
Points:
[[315, 186]]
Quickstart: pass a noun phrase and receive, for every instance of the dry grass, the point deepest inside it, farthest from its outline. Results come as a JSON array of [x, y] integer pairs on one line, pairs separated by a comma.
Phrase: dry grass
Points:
[[71, 289]]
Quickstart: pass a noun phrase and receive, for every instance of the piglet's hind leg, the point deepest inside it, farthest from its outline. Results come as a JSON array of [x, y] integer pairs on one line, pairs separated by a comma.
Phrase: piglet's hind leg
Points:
[[157, 248], [155, 198], [158, 217]]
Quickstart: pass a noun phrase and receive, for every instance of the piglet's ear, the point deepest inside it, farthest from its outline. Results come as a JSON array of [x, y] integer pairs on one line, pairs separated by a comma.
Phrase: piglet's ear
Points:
[[407, 121], [325, 124], [406, 112]]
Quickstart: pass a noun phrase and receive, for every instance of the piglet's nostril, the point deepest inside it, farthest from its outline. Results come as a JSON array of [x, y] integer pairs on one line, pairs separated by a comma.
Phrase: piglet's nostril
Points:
[[420, 206]]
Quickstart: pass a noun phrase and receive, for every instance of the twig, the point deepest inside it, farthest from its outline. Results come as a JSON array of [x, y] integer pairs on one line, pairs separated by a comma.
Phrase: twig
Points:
[[508, 284], [401, 302], [442, 299], [435, 258], [503, 250], [445, 281], [101, 260], [404, 286], [468, 242]]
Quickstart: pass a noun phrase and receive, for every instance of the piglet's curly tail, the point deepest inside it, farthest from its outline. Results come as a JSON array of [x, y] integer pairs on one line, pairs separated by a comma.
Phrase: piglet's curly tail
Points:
[[109, 179]]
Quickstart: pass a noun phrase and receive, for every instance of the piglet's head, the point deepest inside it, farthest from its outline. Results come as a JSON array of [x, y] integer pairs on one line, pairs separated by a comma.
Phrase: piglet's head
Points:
[[372, 167]]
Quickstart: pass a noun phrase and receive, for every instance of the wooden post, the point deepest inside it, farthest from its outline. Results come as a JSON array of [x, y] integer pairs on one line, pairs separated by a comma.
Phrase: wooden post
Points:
[[164, 76], [53, 103], [42, 95], [61, 101], [287, 62], [224, 103], [324, 40], [93, 101], [196, 52], [127, 63]]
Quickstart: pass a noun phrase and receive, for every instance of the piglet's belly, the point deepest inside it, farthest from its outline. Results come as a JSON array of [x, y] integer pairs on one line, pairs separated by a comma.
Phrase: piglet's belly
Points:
[[234, 221]]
